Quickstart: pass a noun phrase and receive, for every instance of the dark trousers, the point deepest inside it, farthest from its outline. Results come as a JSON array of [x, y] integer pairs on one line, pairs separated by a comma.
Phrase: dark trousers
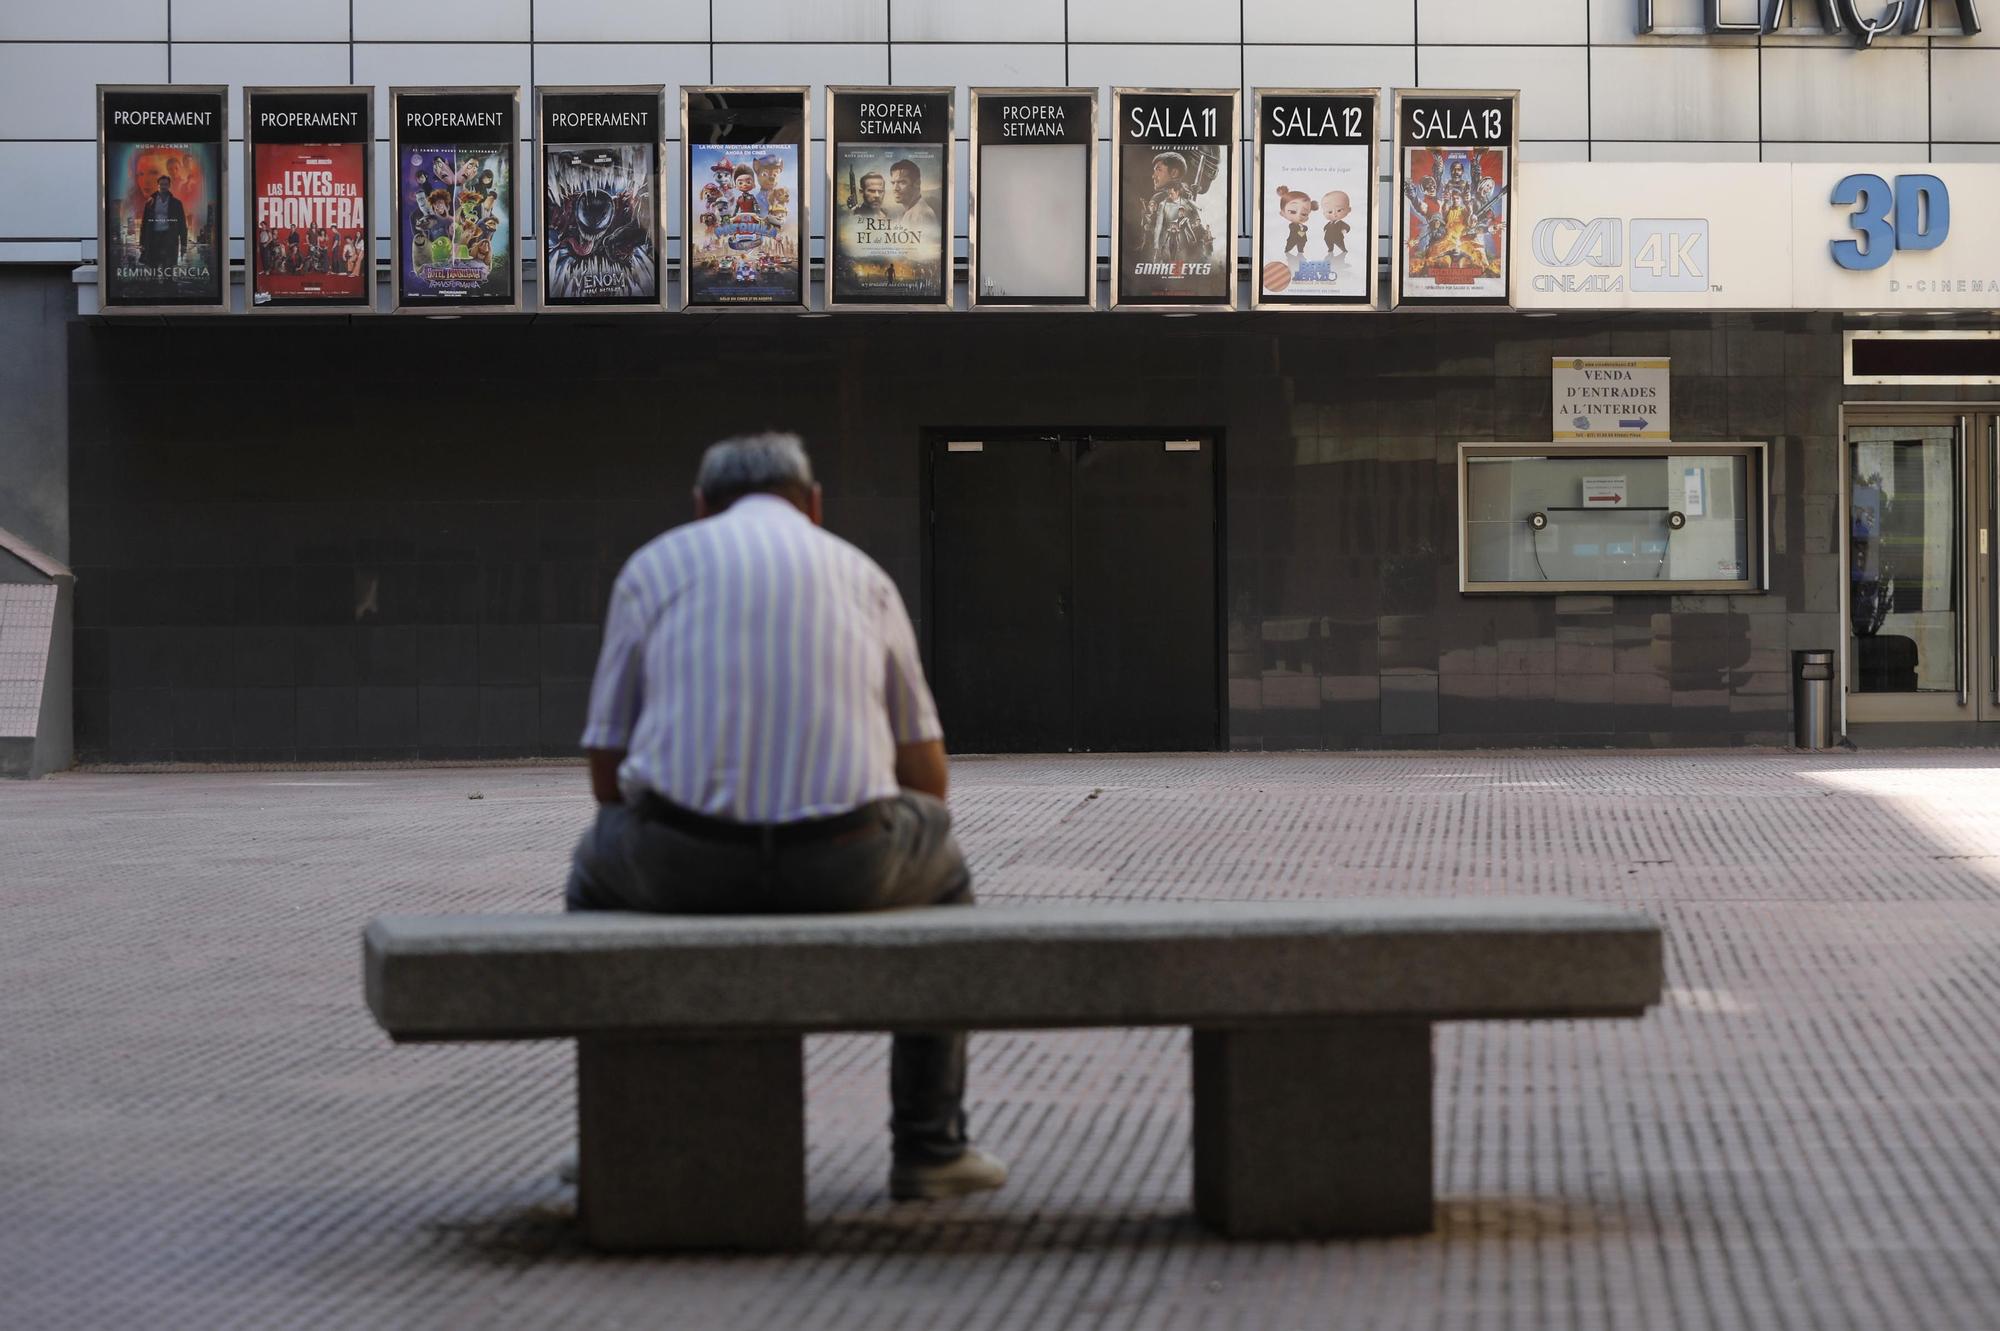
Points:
[[628, 862]]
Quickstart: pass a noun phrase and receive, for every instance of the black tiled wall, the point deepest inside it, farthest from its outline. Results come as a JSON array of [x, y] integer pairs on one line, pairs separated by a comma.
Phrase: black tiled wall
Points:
[[394, 539]]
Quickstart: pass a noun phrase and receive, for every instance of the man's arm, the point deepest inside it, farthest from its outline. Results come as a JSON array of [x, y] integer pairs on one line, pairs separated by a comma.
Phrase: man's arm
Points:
[[921, 767], [604, 775]]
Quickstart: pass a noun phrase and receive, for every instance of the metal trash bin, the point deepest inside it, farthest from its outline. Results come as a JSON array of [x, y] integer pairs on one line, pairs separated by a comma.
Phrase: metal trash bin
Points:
[[1812, 699]]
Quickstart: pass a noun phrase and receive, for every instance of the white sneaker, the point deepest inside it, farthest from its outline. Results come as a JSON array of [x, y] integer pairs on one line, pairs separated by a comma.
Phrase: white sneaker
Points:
[[975, 1171]]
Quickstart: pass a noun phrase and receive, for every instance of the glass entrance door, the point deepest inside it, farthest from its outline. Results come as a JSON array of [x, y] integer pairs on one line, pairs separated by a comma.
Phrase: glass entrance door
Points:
[[1910, 612]]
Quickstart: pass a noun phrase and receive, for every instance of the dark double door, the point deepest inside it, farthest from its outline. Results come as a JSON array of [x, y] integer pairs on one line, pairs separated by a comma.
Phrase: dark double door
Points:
[[1073, 593]]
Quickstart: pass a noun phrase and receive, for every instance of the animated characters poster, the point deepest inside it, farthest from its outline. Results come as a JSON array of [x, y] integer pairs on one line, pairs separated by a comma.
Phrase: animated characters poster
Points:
[[1315, 233], [744, 241], [456, 222]]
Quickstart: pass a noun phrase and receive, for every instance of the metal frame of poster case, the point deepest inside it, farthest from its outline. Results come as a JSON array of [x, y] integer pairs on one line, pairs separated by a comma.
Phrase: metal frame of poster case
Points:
[[1396, 241], [947, 195], [1756, 508], [1257, 301], [396, 305], [220, 91], [804, 93], [1233, 219], [1088, 301], [659, 145], [366, 303]]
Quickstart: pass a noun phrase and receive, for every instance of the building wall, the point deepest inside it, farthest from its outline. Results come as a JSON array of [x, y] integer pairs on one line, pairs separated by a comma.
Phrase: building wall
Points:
[[1592, 88], [414, 564]]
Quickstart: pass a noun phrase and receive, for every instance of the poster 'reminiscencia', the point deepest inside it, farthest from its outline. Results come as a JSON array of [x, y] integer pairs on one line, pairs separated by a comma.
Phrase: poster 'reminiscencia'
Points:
[[163, 229]]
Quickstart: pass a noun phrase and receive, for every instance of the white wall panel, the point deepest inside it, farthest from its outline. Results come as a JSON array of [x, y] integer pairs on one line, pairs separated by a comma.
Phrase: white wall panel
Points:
[[1964, 108], [1330, 67], [48, 90], [982, 66], [64, 206], [622, 21], [1690, 93], [1552, 80], [1153, 67], [1833, 93], [1356, 22], [1666, 150], [391, 64], [803, 21], [1153, 21], [671, 63], [458, 22], [255, 21], [98, 20], [1458, 22], [238, 63], [788, 63], [1555, 150], [957, 21], [1615, 22], [1846, 152]]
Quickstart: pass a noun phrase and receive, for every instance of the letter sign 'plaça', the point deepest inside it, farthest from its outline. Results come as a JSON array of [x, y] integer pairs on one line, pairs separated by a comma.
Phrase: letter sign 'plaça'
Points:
[[1922, 220]]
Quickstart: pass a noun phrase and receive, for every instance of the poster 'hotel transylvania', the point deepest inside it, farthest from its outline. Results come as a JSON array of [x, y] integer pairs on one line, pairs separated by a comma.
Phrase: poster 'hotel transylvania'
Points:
[[457, 218]]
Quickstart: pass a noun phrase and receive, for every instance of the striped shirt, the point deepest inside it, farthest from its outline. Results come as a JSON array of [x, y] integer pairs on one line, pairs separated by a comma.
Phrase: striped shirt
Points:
[[758, 669]]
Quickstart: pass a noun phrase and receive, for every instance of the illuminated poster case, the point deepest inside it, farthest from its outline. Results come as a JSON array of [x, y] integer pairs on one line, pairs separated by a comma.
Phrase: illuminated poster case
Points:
[[1173, 198], [1312, 203], [163, 233], [1456, 160], [1032, 229], [745, 156], [455, 163], [599, 207], [889, 198], [308, 229]]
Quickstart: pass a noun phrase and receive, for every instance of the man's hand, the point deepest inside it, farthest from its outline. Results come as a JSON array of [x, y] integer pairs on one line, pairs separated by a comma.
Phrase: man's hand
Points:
[[921, 767], [604, 775]]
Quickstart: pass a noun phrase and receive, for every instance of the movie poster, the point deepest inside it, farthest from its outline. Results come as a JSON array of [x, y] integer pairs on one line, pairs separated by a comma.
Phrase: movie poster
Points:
[[1174, 223], [1313, 210], [1033, 229], [1454, 178], [891, 196], [307, 241], [746, 235], [600, 218], [164, 224], [456, 230], [745, 215]]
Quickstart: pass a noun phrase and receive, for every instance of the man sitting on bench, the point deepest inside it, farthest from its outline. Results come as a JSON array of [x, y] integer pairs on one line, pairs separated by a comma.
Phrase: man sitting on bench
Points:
[[762, 741]]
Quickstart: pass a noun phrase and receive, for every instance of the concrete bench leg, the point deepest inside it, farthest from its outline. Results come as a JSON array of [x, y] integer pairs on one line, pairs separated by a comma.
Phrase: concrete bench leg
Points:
[[691, 1143], [1322, 1132]]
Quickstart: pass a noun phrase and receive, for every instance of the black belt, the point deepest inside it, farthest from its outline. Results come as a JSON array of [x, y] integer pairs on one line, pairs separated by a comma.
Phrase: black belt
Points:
[[805, 831]]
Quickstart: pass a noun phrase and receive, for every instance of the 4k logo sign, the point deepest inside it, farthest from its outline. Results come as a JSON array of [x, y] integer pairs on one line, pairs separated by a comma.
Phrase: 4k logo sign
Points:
[[1666, 254]]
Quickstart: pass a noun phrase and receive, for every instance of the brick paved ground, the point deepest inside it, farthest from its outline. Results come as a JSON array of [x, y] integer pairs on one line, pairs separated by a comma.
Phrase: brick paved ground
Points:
[[201, 1127]]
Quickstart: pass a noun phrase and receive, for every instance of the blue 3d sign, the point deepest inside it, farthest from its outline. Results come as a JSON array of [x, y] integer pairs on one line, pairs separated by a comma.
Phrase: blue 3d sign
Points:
[[1913, 215]]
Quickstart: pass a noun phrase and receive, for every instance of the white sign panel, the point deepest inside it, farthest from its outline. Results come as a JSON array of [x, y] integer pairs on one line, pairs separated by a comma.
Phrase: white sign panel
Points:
[[1604, 492], [1651, 236], [1611, 397], [1894, 236]]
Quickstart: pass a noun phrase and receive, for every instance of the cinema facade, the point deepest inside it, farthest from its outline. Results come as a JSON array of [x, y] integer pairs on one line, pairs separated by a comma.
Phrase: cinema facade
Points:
[[1437, 448]]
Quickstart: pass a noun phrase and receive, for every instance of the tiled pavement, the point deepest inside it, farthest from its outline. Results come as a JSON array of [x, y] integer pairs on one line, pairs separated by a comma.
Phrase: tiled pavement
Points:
[[201, 1127]]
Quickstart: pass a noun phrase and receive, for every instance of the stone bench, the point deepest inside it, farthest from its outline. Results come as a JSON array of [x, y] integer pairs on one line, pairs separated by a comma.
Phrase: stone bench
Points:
[[1312, 1033]]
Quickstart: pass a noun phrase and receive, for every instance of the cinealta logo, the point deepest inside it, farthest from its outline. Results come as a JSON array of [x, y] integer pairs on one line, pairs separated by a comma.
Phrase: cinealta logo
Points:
[[1667, 254]]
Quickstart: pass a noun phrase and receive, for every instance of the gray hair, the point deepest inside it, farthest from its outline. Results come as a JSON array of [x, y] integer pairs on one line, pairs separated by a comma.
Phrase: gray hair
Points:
[[752, 464]]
